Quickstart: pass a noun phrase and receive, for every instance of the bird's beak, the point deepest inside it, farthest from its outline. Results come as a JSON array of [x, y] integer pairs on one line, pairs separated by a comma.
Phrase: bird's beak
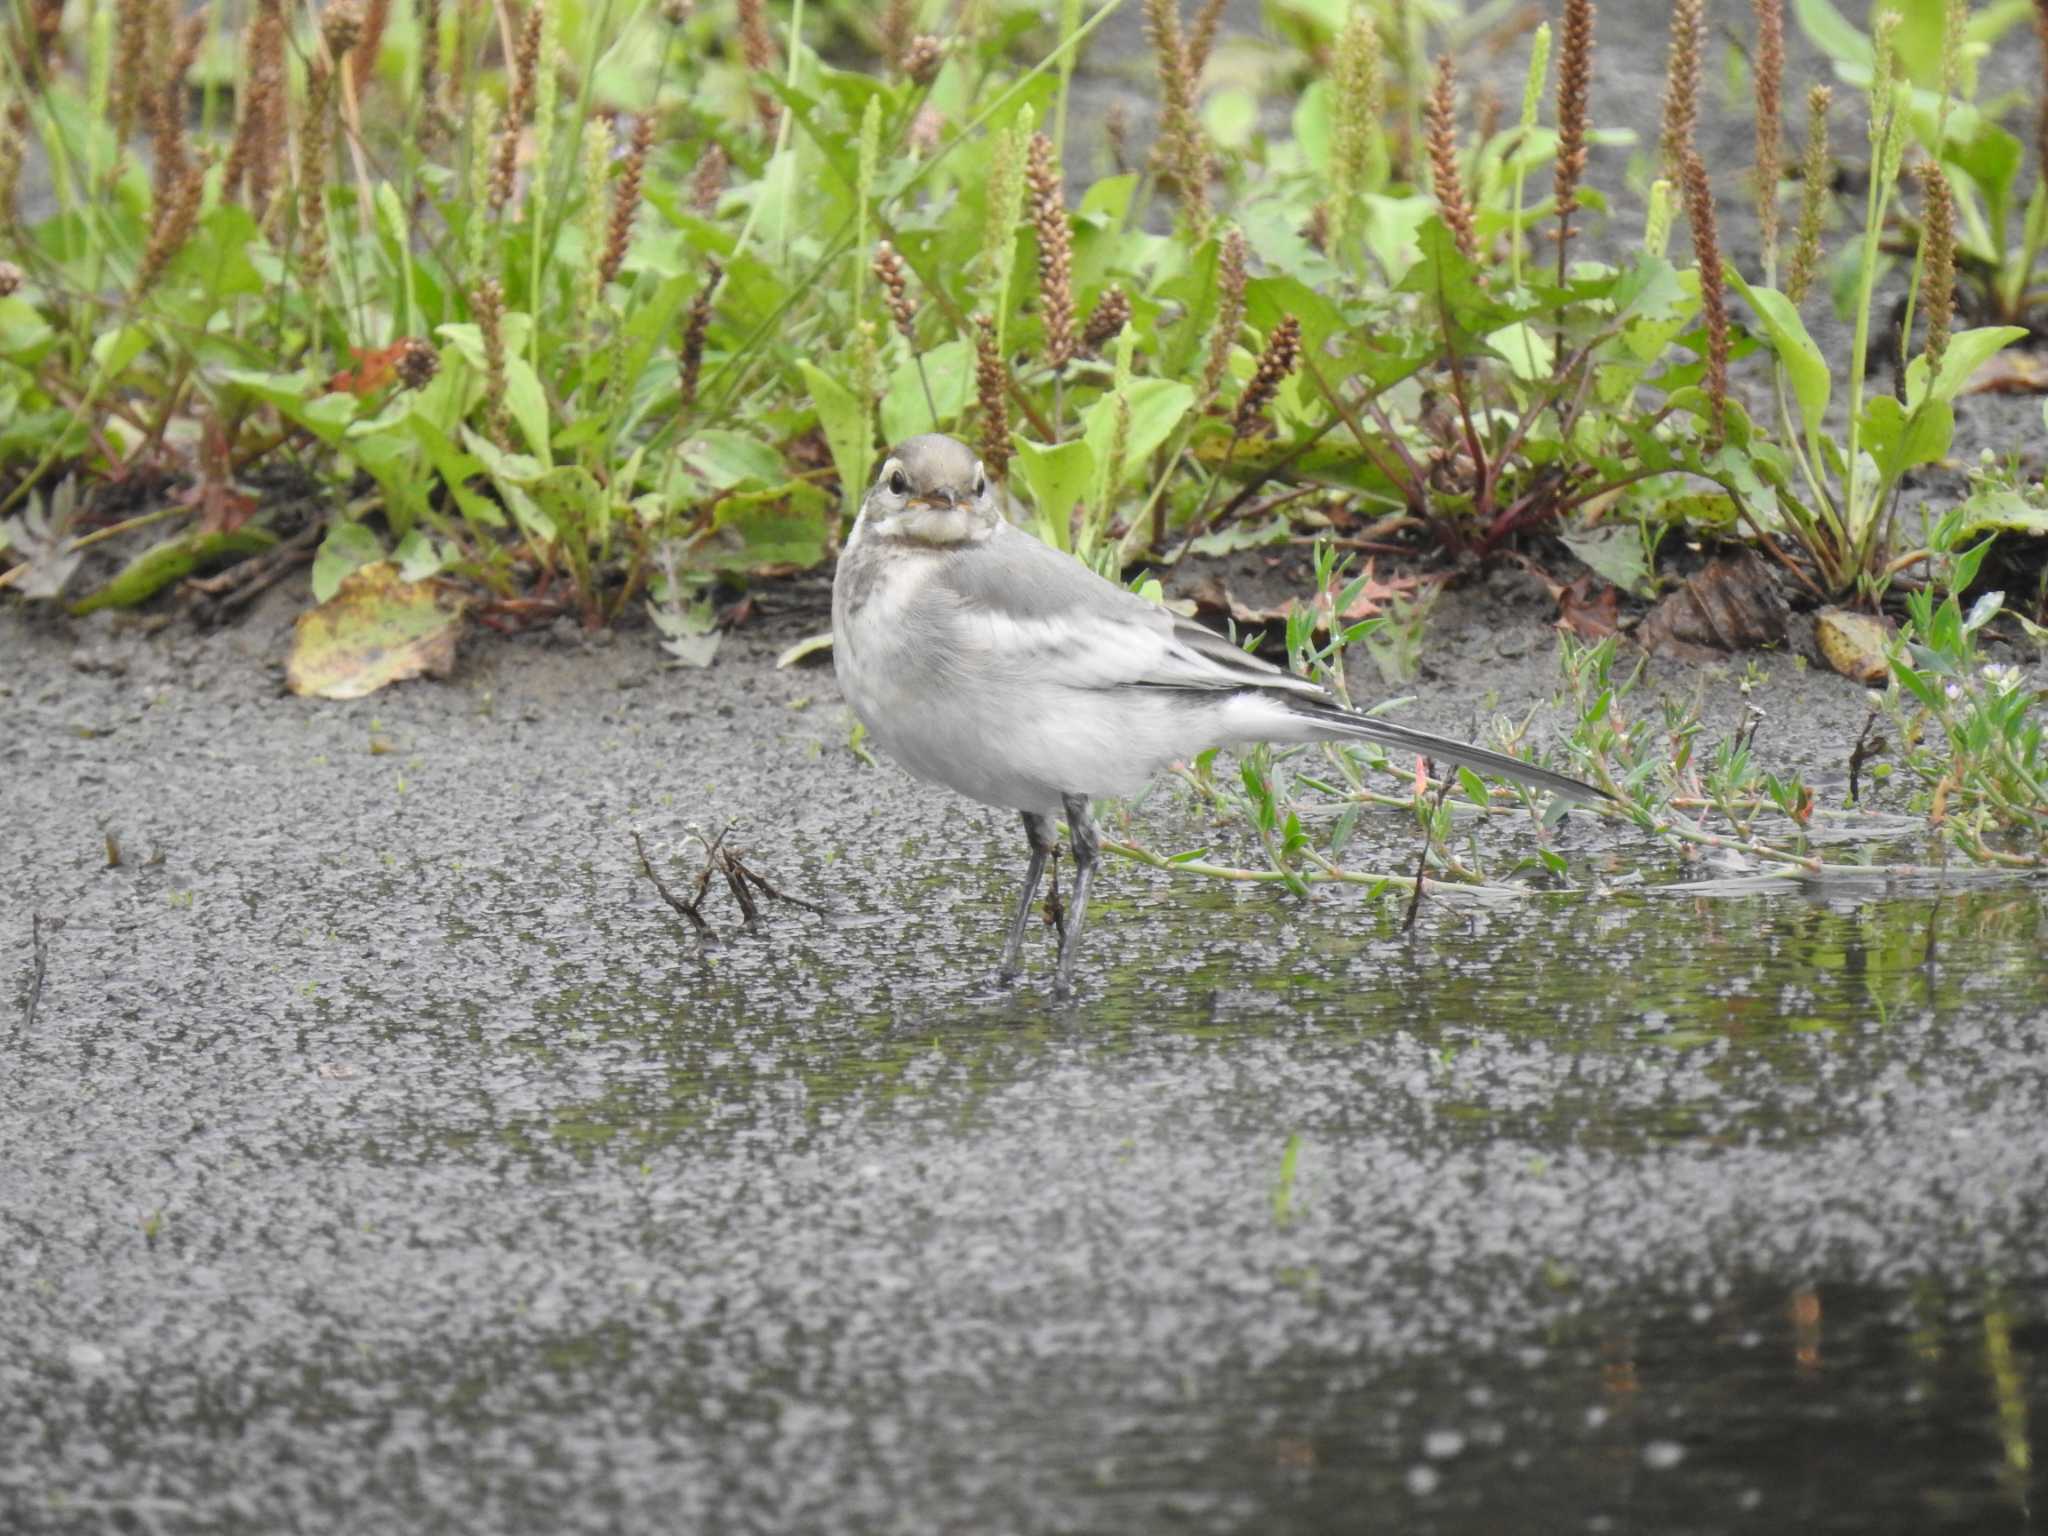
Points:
[[945, 498]]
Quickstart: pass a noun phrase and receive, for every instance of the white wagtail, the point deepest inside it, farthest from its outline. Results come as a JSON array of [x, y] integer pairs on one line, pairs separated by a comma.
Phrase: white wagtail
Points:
[[989, 662]]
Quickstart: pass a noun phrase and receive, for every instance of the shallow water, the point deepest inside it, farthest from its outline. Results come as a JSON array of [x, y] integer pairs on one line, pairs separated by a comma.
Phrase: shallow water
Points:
[[387, 1157]]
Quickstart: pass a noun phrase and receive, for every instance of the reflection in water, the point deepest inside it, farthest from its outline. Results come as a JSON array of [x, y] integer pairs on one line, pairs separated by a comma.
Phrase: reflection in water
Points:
[[1628, 1214]]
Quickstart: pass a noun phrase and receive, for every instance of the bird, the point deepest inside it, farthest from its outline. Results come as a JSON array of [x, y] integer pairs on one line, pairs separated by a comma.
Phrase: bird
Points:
[[983, 659]]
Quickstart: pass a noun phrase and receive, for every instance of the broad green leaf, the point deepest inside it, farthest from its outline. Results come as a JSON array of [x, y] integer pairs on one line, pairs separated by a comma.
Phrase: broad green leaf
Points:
[[1615, 553], [1057, 475], [1314, 129], [1157, 406], [1967, 352], [1898, 440], [115, 350], [785, 526], [1805, 368], [349, 546], [23, 332], [1527, 350], [1833, 33], [455, 469], [528, 404], [727, 459], [419, 557], [1110, 198], [905, 413], [1231, 115], [847, 431]]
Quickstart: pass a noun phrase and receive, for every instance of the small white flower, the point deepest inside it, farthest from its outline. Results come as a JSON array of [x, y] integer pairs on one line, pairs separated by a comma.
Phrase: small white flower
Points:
[[2003, 679]]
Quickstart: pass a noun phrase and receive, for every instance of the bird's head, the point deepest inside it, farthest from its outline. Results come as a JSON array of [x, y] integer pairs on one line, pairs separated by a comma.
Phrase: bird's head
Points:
[[931, 489]]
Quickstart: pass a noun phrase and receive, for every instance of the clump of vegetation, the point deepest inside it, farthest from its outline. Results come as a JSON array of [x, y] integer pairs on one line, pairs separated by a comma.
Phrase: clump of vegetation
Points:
[[582, 312]]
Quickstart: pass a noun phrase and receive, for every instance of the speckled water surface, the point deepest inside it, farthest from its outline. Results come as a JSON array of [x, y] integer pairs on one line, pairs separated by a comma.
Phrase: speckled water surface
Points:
[[384, 1156]]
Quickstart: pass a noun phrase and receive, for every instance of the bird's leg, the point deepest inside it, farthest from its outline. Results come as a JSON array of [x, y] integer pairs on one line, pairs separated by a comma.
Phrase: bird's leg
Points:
[[1038, 831], [1087, 846]]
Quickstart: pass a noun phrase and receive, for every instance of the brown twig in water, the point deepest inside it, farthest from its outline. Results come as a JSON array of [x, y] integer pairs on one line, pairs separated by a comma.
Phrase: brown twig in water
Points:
[[686, 908], [1422, 858], [740, 880], [1864, 751]]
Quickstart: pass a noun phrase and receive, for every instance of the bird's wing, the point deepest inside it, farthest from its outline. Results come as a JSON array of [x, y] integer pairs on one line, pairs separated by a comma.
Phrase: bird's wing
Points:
[[1030, 609], [1015, 609]]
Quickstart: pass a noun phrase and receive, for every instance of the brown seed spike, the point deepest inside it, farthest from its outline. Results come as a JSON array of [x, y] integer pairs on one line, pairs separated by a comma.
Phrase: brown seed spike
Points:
[[1682, 84], [1281, 356], [991, 389], [1706, 246], [1055, 251], [1231, 277], [895, 281], [417, 363], [1939, 279], [1445, 177], [922, 58], [1111, 313], [1770, 153]]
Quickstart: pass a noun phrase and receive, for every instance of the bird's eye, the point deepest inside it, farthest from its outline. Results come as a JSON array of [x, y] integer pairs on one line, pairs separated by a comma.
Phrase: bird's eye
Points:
[[898, 486], [980, 482]]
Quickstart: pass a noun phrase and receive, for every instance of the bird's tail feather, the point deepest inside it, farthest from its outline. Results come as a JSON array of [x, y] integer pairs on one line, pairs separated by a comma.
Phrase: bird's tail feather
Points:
[[1341, 724]]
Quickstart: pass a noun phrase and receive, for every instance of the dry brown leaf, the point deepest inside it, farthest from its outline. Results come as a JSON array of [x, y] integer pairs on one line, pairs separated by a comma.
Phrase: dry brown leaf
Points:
[[1589, 607], [2010, 373], [1732, 604]]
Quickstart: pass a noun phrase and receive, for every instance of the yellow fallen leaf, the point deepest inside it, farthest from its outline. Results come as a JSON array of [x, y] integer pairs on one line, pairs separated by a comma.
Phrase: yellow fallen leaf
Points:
[[1853, 643], [377, 629]]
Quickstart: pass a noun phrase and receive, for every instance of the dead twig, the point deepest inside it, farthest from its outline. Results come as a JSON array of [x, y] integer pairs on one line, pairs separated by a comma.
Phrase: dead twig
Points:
[[1422, 857], [687, 908], [739, 879], [1866, 748]]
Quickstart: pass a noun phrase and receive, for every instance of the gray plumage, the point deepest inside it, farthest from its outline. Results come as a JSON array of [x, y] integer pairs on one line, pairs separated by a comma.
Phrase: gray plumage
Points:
[[985, 660]]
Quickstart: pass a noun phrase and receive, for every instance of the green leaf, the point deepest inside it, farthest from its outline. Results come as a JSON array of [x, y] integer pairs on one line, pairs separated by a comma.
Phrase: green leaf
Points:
[[115, 350], [1967, 352], [1110, 198], [904, 410], [807, 647], [419, 557], [571, 499], [1058, 476], [1805, 368], [847, 432], [727, 459], [347, 547], [1615, 553], [528, 403], [1898, 441], [1231, 115], [2004, 511], [1833, 33], [785, 526], [157, 567], [1926, 692], [1157, 406]]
